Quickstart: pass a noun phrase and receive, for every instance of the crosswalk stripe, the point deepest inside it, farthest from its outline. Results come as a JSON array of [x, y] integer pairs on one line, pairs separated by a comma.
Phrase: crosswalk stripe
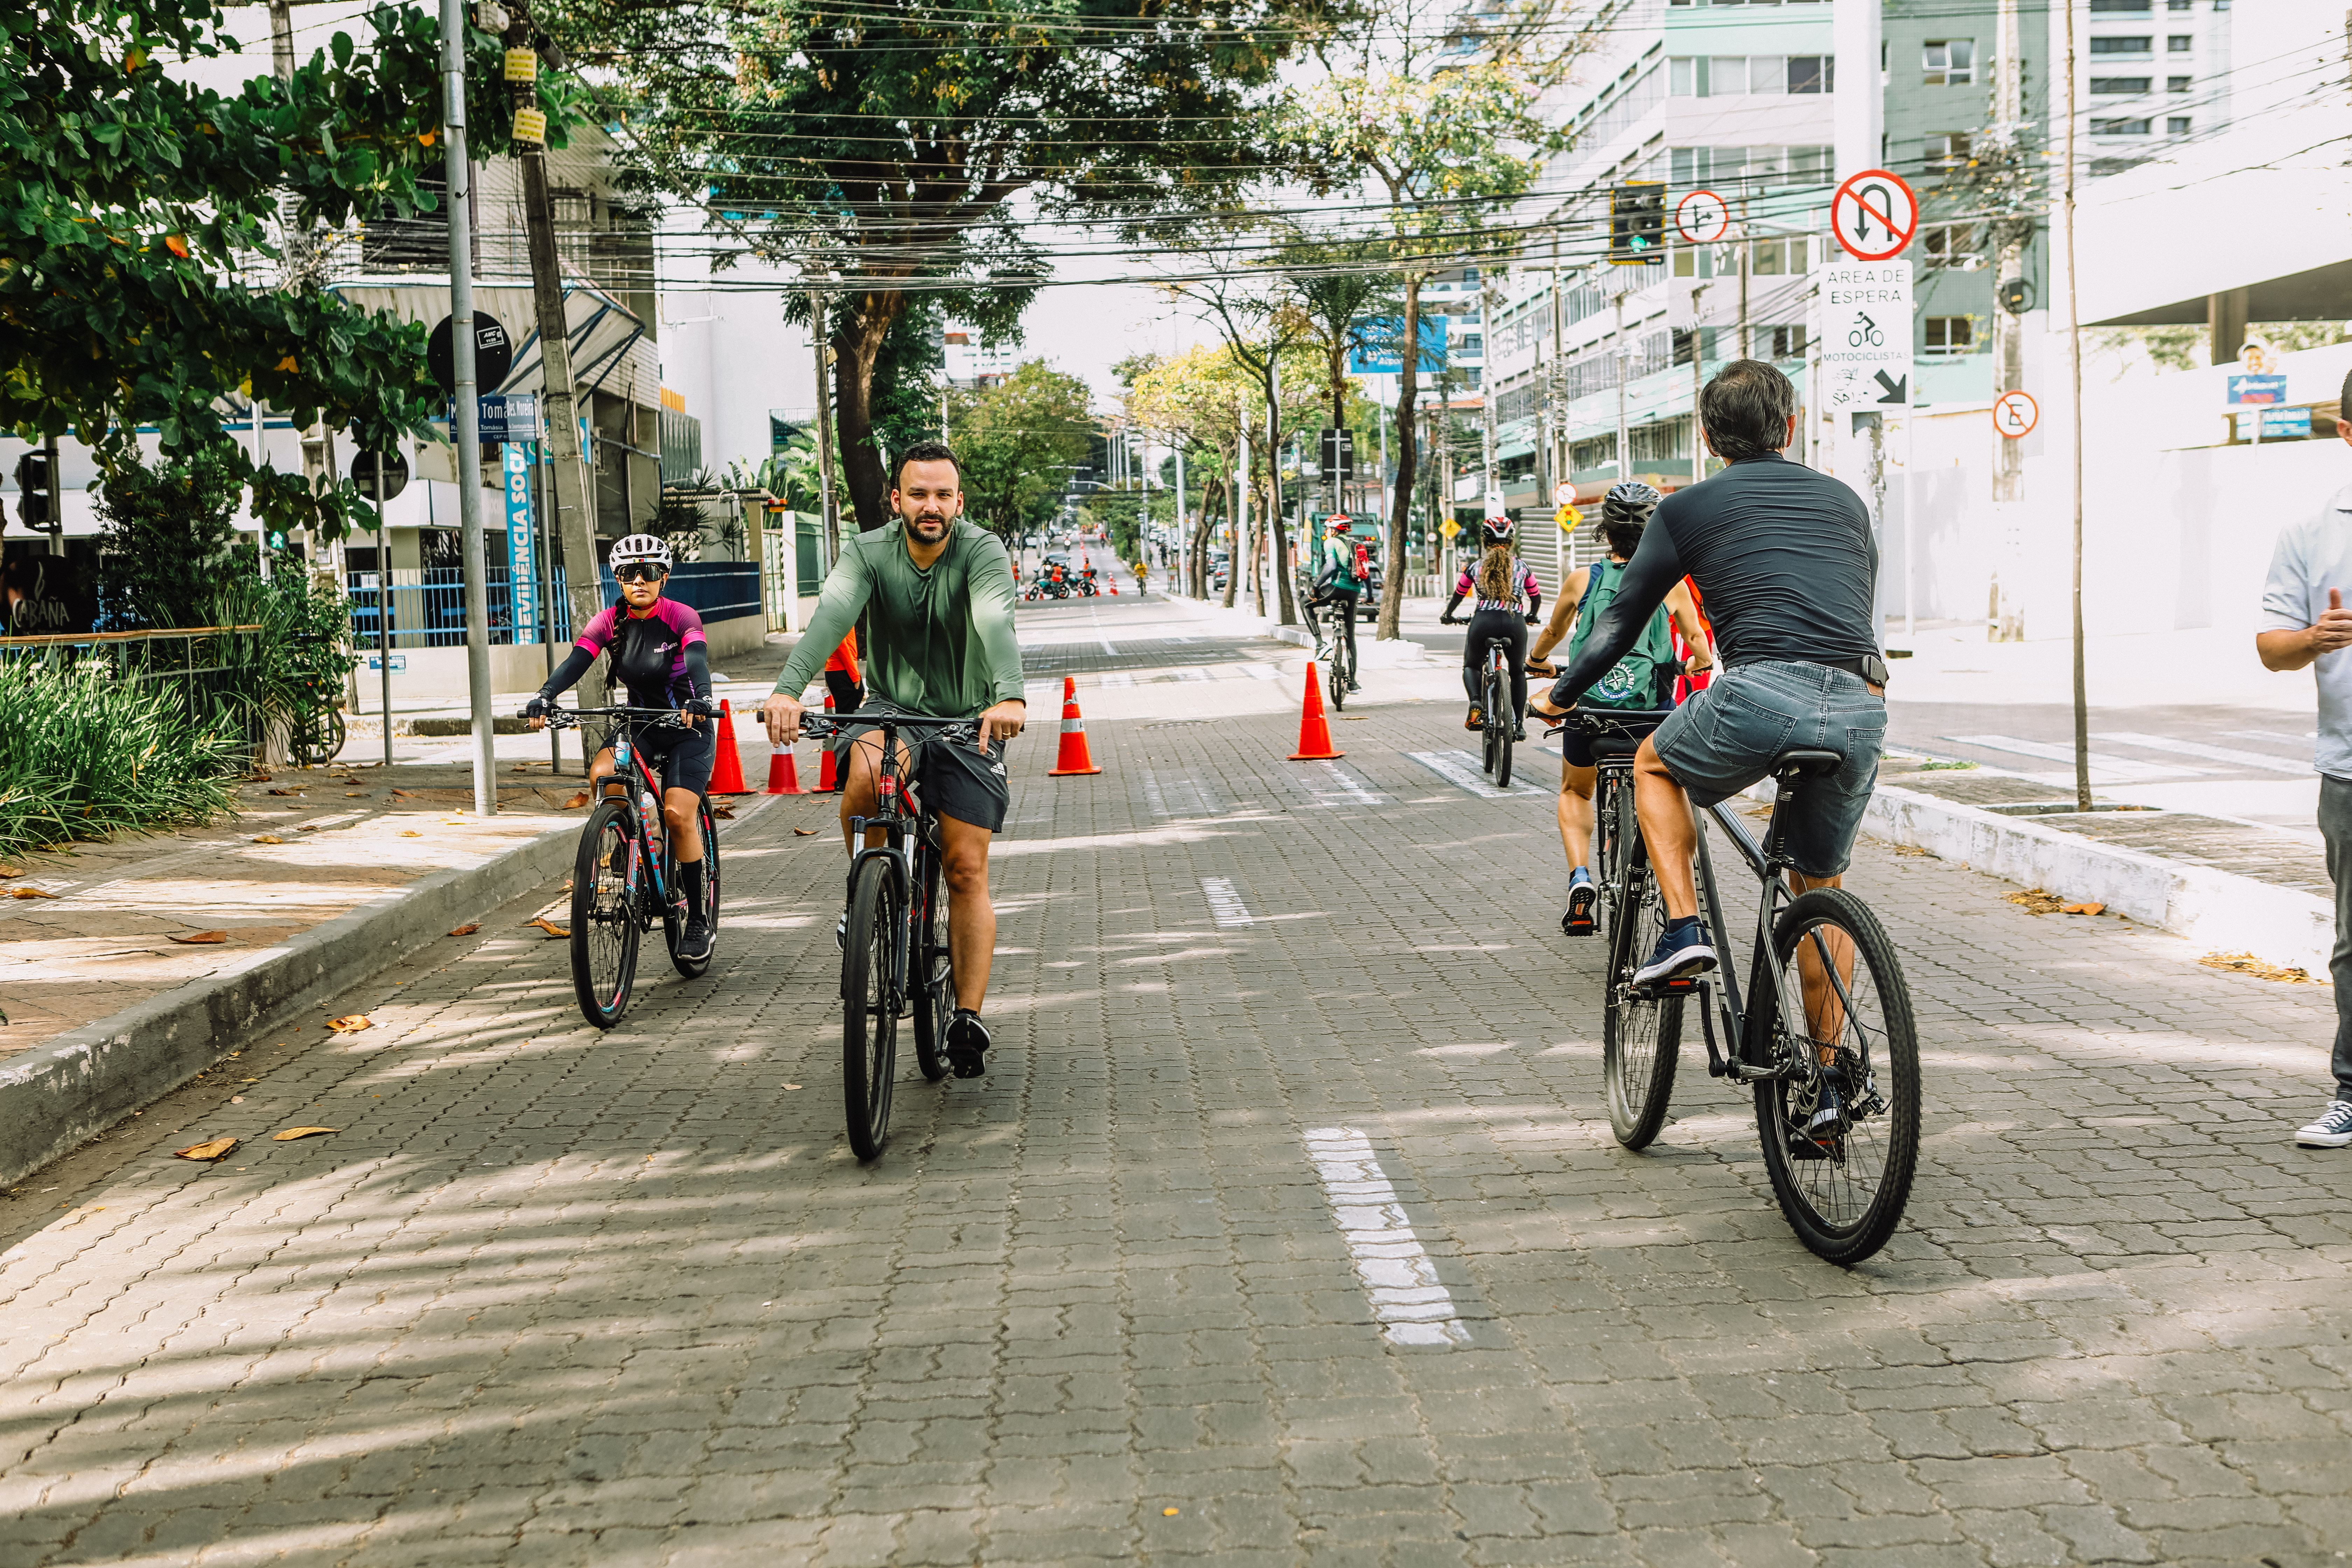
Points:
[[1179, 797], [1329, 784], [1412, 1306], [2199, 748], [1226, 906], [1462, 769], [2116, 770]]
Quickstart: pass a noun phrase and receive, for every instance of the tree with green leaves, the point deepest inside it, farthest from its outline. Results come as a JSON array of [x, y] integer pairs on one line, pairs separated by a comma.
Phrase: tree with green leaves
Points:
[[133, 206], [882, 149], [1437, 118], [1016, 443], [1200, 401]]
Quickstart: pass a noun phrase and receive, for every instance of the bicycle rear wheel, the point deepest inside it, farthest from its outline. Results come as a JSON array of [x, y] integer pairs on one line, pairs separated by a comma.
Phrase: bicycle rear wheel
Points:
[[1339, 682], [1640, 1037], [673, 927], [1500, 717], [1612, 819], [933, 982], [604, 930], [1842, 1178], [869, 1008]]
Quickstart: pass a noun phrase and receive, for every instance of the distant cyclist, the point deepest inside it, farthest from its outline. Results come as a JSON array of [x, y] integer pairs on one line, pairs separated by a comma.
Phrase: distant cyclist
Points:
[[1643, 679], [937, 592], [1785, 560], [661, 658], [1507, 603], [1343, 571], [842, 681]]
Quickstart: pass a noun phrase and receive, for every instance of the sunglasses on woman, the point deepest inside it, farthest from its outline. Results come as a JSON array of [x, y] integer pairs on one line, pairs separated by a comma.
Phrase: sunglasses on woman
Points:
[[638, 571]]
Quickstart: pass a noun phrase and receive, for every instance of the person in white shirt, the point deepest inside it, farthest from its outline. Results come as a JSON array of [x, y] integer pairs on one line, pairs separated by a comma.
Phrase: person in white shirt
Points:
[[2305, 623]]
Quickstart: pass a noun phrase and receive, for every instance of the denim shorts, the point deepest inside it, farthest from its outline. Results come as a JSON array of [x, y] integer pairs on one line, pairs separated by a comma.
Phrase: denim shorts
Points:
[[1726, 737]]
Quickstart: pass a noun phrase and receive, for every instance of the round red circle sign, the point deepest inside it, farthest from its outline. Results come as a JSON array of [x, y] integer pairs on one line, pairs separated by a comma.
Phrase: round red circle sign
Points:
[[1874, 215]]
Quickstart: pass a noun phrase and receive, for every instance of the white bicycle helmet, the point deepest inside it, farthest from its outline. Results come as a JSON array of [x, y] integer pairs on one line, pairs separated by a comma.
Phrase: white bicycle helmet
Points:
[[639, 547]]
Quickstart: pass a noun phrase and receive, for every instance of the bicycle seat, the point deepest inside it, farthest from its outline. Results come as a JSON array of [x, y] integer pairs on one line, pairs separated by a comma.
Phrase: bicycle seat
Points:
[[1609, 747], [1807, 762]]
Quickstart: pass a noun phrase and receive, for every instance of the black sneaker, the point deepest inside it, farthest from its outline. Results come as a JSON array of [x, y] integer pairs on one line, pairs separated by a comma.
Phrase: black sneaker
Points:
[[841, 932], [694, 942], [1581, 895], [1679, 955], [1519, 733], [1355, 685], [967, 1044]]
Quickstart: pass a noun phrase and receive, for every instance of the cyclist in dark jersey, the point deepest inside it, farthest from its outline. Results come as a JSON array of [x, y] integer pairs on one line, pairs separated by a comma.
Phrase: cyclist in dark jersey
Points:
[[1507, 601], [662, 659], [1785, 559]]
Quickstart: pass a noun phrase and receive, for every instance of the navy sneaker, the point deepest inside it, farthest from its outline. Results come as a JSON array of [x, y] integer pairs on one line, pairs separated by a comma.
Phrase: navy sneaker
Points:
[[1682, 952], [1581, 895], [967, 1044], [694, 942]]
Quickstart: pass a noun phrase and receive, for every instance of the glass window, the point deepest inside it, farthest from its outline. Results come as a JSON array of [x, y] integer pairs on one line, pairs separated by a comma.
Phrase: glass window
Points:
[[2119, 84], [1682, 81], [2176, 125], [1726, 75], [2119, 127], [2122, 46], [1772, 258], [1951, 244], [1768, 73], [1948, 149], [1948, 335], [2171, 84], [1813, 73], [1951, 62], [2139, 7], [2179, 43]]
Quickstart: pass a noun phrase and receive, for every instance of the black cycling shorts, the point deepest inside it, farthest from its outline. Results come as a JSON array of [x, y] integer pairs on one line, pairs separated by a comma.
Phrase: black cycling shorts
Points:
[[685, 756], [951, 776]]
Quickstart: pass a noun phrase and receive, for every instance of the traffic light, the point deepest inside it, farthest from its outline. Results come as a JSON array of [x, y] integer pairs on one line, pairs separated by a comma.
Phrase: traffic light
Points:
[[1637, 223], [36, 490]]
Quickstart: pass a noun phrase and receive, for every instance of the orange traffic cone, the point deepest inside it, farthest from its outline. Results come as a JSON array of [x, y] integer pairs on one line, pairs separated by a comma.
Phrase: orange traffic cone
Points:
[[1074, 757], [826, 783], [1314, 729], [1113, 585], [727, 773], [784, 773]]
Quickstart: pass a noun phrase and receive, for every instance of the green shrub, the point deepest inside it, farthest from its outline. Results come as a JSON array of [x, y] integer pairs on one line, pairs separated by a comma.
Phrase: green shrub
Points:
[[304, 643], [88, 753]]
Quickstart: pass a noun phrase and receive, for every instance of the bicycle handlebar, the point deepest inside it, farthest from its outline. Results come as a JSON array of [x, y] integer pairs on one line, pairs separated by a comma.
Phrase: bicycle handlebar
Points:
[[816, 726], [569, 718]]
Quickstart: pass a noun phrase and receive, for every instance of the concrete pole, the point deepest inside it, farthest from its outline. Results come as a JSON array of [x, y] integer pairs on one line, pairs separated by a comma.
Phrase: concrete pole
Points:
[[1860, 114], [467, 425], [1624, 368], [2074, 419]]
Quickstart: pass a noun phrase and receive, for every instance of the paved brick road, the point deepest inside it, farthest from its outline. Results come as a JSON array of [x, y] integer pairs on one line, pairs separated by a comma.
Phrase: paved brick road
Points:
[[551, 1297]]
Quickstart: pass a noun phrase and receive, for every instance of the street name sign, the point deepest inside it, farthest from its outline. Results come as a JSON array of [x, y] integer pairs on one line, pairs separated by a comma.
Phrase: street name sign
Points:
[[1874, 215]]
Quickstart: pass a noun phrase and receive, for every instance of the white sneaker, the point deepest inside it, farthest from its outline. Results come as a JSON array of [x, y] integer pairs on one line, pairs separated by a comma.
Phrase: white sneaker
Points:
[[2332, 1130]]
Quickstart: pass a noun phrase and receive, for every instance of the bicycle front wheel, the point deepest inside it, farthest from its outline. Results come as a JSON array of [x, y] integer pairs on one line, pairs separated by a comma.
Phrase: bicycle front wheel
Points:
[[1339, 682], [1641, 1035], [933, 966], [869, 1008], [1841, 1133], [604, 929], [674, 928]]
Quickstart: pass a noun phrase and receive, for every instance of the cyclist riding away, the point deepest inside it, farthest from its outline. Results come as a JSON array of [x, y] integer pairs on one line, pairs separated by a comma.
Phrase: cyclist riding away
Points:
[[936, 592], [1643, 679], [1785, 559], [662, 659], [1344, 571], [1507, 602]]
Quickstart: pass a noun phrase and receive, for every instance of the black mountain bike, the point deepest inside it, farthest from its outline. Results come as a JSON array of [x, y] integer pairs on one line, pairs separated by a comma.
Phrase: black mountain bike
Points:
[[625, 880], [1823, 1034], [895, 960], [1338, 645], [1501, 716]]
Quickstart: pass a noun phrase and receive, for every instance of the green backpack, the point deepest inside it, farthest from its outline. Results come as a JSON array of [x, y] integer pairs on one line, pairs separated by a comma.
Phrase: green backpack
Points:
[[1644, 677]]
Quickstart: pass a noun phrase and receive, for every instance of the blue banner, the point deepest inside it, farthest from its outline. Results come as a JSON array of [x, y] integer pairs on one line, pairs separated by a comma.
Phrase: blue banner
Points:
[[517, 461], [1379, 348]]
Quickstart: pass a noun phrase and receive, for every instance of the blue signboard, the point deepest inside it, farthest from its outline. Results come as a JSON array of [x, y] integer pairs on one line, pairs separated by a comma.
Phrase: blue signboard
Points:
[[522, 581], [1380, 349], [502, 416], [2258, 389], [2276, 424]]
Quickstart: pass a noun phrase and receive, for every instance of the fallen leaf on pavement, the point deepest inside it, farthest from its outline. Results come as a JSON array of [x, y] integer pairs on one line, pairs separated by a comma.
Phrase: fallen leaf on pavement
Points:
[[2034, 900], [2247, 963], [256, 778], [350, 793], [412, 833], [723, 813], [295, 790], [267, 838], [351, 1025], [216, 1149], [549, 926], [576, 802], [291, 1133], [468, 930], [201, 938], [1913, 849], [8, 870], [806, 832], [2084, 909], [791, 1086], [403, 794], [29, 893]]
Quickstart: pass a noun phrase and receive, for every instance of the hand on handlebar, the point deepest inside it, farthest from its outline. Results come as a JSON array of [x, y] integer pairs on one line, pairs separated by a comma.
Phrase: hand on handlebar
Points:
[[783, 716], [1542, 703], [698, 708], [1449, 620], [536, 711]]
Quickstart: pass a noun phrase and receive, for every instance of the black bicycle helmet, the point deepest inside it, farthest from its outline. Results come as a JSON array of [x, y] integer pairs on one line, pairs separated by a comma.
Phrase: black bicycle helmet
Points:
[[1629, 500]]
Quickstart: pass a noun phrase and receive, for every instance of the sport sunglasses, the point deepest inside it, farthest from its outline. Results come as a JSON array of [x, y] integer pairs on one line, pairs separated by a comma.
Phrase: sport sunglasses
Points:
[[639, 572]]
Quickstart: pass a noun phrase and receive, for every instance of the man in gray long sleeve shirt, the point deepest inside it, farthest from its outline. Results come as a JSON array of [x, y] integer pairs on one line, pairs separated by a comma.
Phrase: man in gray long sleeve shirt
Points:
[[2305, 623], [938, 594]]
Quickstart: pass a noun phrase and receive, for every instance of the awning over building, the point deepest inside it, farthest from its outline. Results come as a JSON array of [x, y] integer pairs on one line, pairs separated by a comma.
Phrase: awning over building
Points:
[[610, 349]]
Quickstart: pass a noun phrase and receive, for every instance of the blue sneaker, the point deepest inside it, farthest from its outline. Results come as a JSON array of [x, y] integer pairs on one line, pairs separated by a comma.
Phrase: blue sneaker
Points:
[[1681, 954], [1581, 895]]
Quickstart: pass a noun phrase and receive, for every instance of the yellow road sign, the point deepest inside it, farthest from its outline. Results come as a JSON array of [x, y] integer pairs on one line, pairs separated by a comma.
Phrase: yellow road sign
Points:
[[1449, 528], [1568, 517]]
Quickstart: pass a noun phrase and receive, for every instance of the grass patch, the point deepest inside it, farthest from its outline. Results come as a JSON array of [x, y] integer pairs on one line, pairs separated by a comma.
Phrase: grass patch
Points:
[[88, 754]]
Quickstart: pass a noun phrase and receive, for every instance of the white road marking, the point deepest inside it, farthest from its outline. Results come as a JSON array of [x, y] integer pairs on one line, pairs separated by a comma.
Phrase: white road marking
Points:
[[2295, 741], [1399, 1275], [2104, 769], [2210, 754], [1329, 784], [1461, 768], [1224, 904], [1179, 797]]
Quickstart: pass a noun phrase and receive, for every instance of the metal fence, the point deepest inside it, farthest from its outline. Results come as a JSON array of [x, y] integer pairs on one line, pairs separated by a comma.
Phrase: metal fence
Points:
[[426, 607]]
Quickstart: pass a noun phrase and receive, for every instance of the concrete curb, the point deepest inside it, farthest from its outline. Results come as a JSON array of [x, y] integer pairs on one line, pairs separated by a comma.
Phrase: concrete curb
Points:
[[69, 1090], [2218, 908]]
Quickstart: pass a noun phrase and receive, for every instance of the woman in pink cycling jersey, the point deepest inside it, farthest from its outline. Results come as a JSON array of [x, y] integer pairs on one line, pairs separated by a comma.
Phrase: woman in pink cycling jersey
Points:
[[1509, 602]]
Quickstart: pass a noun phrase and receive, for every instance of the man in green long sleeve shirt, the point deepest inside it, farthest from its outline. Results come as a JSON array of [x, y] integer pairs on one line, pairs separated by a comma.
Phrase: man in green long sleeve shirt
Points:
[[937, 595]]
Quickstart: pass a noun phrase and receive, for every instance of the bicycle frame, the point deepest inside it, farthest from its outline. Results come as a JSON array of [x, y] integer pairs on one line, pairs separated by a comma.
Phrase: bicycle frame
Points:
[[893, 819], [644, 853]]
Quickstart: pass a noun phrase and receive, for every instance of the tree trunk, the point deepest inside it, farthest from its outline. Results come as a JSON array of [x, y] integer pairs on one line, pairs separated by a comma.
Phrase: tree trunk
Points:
[[1283, 597], [858, 344], [1400, 500]]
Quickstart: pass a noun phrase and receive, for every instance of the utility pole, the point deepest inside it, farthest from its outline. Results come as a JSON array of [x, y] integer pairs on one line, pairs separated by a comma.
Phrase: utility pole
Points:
[[2074, 418], [1743, 251], [1698, 385], [1624, 431], [466, 425], [826, 506], [1556, 458], [573, 528], [2007, 623], [1488, 301]]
